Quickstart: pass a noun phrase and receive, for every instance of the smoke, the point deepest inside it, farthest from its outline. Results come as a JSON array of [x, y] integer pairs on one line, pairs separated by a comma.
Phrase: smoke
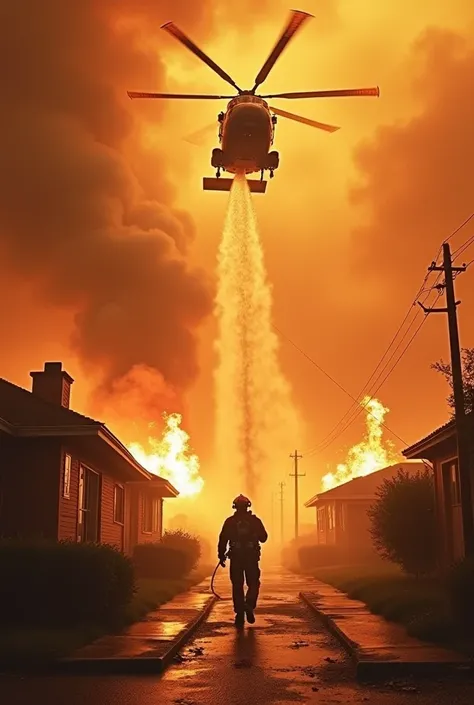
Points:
[[256, 422], [75, 220], [417, 180]]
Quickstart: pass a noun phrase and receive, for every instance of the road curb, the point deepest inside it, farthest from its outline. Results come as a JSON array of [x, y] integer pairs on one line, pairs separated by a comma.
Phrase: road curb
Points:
[[135, 664], [350, 646], [371, 670]]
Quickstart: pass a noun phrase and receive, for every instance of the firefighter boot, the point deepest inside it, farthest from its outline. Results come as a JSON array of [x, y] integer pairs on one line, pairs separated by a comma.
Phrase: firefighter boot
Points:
[[250, 615]]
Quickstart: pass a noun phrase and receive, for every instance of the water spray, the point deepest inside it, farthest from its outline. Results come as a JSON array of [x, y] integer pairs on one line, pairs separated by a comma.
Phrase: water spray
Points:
[[256, 421]]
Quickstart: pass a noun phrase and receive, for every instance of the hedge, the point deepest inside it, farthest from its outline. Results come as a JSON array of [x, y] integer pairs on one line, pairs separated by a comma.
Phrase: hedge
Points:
[[315, 555], [460, 589], [175, 556], [155, 560], [188, 544], [62, 584]]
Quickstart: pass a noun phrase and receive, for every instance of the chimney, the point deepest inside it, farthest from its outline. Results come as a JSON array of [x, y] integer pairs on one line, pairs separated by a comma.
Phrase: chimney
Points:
[[53, 384]]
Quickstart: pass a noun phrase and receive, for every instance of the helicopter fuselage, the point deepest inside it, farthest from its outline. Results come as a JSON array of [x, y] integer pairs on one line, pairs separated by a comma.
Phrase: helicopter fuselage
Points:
[[246, 135]]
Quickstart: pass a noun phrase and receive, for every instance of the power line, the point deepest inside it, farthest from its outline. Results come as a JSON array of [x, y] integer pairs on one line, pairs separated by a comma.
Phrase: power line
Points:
[[364, 390], [334, 381], [349, 423], [350, 411], [357, 406], [356, 409], [463, 248]]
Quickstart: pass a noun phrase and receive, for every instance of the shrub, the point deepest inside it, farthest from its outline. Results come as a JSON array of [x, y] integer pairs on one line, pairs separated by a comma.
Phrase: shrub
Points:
[[188, 544], [316, 555], [403, 524], [63, 584], [155, 560], [460, 587]]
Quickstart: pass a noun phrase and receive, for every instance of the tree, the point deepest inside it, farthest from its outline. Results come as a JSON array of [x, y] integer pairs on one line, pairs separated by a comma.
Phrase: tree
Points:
[[467, 361], [403, 523]]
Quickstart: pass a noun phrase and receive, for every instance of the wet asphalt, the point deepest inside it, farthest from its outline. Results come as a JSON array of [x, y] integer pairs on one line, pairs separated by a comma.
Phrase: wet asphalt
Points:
[[286, 657]]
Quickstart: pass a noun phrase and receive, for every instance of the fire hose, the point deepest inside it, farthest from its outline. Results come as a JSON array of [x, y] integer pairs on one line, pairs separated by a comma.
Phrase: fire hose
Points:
[[213, 578]]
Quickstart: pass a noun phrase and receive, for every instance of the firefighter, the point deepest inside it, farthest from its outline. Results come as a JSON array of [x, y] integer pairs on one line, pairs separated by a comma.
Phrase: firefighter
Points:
[[244, 532]]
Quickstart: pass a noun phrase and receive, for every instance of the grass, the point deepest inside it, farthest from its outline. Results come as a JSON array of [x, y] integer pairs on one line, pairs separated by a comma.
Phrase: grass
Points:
[[28, 647], [38, 647], [151, 594], [420, 604]]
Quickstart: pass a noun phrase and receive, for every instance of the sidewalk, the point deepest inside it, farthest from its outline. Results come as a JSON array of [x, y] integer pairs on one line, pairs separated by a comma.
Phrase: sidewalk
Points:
[[150, 645], [379, 648]]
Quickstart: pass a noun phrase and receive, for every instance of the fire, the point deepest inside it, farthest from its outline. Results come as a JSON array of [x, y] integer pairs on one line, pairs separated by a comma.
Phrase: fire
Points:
[[368, 456], [170, 457]]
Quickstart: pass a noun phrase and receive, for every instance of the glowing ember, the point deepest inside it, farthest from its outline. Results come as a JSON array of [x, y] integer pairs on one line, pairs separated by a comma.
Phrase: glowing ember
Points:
[[368, 456], [170, 457]]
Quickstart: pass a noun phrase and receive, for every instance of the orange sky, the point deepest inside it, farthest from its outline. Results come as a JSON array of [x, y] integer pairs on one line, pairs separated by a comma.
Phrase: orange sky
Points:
[[349, 224]]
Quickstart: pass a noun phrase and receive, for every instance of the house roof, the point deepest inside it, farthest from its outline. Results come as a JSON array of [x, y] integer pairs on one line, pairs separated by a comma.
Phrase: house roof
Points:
[[437, 436], [19, 407], [24, 414], [362, 488]]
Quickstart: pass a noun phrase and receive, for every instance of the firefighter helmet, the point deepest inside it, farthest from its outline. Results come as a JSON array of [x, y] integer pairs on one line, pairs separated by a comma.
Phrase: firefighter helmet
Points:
[[241, 501]]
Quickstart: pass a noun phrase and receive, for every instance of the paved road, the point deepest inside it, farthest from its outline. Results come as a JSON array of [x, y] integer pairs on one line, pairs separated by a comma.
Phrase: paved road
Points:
[[287, 657]]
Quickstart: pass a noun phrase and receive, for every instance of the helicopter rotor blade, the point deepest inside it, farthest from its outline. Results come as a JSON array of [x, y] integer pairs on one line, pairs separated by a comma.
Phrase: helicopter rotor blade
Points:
[[305, 120], [199, 137], [178, 34], [343, 93], [295, 21], [179, 96]]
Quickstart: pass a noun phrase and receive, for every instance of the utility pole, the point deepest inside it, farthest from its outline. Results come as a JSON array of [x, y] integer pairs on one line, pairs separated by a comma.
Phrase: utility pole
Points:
[[296, 457], [464, 459], [282, 533]]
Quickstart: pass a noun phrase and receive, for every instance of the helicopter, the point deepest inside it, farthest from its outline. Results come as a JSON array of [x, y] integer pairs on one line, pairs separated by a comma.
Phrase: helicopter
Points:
[[247, 126]]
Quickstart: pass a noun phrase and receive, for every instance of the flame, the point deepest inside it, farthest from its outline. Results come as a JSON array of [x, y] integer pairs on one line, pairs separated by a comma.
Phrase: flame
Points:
[[368, 456], [170, 457]]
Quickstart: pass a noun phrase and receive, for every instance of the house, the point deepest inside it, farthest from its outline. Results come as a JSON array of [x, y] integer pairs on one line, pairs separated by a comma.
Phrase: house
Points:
[[66, 476], [341, 512], [440, 448]]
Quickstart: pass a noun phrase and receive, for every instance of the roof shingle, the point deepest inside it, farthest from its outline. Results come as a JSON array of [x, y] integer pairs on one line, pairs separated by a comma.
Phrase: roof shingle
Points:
[[19, 407]]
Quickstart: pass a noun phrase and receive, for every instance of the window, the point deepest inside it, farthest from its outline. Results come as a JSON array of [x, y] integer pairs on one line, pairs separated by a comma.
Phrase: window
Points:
[[331, 517], [321, 519], [342, 516], [454, 482], [452, 489], [147, 519], [119, 504], [151, 515], [67, 476], [156, 516]]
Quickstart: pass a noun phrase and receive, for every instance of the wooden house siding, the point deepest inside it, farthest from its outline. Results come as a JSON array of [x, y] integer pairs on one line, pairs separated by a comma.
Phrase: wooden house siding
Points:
[[29, 478], [110, 531]]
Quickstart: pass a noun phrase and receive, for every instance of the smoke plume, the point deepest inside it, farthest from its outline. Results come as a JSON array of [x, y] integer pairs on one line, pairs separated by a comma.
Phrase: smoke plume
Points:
[[417, 175], [75, 219]]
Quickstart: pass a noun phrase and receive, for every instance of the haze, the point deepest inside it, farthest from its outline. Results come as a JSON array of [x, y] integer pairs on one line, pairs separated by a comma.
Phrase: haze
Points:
[[349, 224]]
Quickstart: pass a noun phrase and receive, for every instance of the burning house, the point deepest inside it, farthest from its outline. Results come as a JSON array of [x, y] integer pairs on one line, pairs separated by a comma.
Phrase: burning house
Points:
[[341, 512], [66, 476], [440, 448]]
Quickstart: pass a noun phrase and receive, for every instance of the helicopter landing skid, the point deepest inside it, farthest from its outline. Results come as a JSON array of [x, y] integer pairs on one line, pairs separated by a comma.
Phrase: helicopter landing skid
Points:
[[219, 184]]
